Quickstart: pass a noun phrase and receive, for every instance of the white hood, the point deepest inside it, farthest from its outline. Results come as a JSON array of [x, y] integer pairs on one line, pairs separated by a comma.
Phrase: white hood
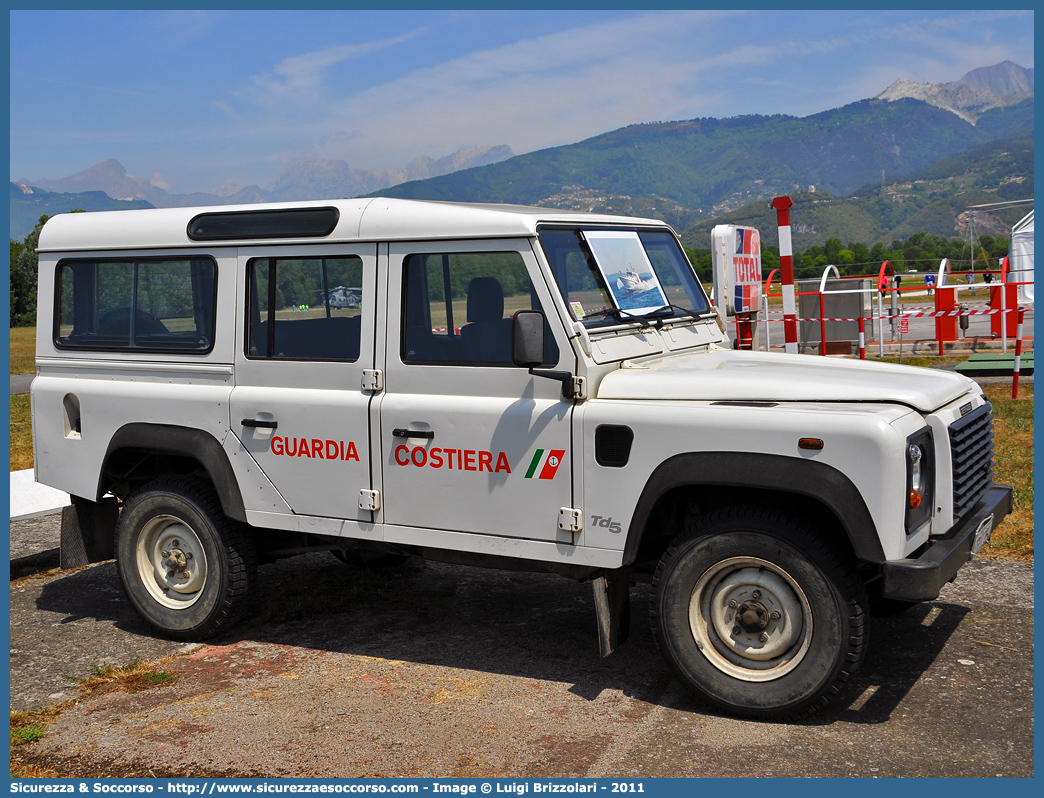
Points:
[[721, 375]]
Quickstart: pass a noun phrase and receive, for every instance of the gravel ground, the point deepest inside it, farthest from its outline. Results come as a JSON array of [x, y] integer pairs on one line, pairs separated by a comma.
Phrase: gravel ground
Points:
[[34, 544], [435, 670]]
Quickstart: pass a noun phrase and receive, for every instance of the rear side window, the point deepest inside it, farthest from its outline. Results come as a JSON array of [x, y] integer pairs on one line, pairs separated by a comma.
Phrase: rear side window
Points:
[[160, 305], [304, 308]]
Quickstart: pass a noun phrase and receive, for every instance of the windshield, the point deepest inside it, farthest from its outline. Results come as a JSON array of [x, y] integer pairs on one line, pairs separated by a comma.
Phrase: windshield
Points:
[[610, 276]]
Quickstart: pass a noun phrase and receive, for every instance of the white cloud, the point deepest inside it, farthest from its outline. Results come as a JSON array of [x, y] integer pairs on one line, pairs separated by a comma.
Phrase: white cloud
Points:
[[568, 85], [305, 72], [544, 91], [180, 27]]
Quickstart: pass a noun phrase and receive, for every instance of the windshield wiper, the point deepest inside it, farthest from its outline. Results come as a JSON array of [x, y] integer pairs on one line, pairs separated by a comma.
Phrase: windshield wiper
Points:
[[622, 315], [661, 314]]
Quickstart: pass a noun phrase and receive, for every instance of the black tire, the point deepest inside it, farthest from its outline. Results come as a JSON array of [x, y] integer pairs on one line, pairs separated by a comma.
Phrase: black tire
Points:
[[794, 631], [186, 568]]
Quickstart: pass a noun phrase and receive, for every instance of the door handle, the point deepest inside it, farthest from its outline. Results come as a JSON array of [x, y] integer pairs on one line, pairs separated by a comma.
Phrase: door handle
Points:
[[398, 432], [255, 422]]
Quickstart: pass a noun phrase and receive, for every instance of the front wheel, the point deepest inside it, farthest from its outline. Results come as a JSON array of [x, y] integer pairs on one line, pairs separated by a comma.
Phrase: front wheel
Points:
[[186, 568], [757, 614]]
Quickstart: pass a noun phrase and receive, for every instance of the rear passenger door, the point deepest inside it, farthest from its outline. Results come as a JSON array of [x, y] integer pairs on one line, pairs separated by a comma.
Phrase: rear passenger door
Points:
[[299, 406]]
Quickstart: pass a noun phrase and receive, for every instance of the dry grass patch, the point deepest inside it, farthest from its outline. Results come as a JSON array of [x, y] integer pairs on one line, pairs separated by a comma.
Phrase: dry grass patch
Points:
[[21, 433], [130, 678], [23, 350], [28, 727], [1013, 445], [20, 769]]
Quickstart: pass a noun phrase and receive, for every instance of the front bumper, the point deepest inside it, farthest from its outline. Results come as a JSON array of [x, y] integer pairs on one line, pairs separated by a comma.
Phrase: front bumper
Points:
[[921, 578]]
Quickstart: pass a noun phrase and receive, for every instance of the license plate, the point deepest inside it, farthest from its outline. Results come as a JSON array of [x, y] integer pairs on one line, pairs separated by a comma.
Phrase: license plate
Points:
[[982, 534]]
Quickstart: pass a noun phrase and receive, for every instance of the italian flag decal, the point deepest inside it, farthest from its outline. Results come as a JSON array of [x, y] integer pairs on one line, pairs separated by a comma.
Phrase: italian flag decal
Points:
[[547, 466]]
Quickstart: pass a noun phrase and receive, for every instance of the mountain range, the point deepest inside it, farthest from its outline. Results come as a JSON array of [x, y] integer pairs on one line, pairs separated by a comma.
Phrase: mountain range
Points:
[[978, 91], [865, 155], [326, 179]]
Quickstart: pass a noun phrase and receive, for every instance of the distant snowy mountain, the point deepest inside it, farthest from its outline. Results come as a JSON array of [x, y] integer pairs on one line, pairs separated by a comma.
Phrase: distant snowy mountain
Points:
[[319, 179], [977, 92]]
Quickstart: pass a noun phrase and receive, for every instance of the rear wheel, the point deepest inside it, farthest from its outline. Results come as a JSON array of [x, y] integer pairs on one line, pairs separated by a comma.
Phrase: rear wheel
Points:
[[757, 614], [186, 568]]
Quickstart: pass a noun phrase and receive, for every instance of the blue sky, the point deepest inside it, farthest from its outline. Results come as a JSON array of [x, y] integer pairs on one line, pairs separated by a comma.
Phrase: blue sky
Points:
[[190, 99]]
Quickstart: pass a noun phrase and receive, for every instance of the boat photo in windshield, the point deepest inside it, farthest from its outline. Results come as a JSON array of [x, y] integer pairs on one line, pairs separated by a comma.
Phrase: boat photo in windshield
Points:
[[610, 276]]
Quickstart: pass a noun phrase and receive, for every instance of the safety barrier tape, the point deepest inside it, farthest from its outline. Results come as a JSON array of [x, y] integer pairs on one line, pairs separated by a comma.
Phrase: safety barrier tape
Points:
[[924, 314]]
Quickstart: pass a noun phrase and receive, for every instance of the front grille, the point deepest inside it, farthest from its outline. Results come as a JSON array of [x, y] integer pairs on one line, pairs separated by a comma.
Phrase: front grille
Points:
[[971, 447]]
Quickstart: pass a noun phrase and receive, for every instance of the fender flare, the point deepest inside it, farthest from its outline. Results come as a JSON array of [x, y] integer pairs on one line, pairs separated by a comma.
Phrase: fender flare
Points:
[[195, 443], [794, 475]]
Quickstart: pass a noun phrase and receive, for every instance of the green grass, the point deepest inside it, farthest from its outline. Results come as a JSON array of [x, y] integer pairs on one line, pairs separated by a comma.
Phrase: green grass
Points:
[[27, 734], [28, 727]]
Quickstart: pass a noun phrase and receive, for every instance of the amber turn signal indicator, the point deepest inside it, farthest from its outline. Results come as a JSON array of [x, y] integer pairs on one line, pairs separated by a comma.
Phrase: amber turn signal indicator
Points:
[[810, 443], [915, 499]]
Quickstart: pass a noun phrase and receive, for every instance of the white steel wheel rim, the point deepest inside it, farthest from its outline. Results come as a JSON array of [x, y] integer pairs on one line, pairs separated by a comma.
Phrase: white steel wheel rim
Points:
[[750, 619], [172, 564]]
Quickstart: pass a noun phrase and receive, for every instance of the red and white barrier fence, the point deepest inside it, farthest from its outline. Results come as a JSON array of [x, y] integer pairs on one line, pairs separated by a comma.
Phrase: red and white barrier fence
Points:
[[968, 312], [1018, 356]]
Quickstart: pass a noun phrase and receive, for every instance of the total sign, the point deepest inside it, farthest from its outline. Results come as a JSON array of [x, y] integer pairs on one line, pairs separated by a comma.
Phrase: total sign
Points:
[[736, 262]]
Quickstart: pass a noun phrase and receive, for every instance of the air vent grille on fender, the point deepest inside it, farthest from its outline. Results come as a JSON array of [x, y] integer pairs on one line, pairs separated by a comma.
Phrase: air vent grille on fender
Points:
[[613, 445]]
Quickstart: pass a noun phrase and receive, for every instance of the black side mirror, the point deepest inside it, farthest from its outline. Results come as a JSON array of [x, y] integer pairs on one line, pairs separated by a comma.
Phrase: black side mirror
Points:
[[527, 338]]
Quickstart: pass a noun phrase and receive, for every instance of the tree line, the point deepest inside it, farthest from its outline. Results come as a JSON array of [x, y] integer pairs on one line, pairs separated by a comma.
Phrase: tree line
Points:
[[920, 252], [24, 262]]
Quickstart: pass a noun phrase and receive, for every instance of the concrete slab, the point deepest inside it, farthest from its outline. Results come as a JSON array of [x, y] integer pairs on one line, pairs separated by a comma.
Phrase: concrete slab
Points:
[[20, 383], [30, 499]]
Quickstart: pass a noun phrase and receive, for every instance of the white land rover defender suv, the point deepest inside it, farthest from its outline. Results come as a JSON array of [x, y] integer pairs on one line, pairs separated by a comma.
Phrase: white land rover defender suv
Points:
[[509, 387]]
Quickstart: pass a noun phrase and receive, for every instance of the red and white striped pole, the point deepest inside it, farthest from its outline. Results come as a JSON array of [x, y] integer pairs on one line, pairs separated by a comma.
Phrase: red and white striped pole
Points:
[[786, 262], [822, 323], [1018, 356], [862, 340]]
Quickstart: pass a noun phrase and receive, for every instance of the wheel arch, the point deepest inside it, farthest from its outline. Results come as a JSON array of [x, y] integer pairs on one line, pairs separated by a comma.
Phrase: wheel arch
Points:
[[153, 442], [747, 477]]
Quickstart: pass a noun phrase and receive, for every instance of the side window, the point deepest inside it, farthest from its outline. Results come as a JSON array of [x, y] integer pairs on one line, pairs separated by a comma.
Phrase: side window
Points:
[[304, 308], [457, 308], [151, 305]]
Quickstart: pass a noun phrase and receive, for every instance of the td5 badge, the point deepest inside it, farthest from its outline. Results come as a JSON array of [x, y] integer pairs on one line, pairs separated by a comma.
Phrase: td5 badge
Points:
[[606, 523]]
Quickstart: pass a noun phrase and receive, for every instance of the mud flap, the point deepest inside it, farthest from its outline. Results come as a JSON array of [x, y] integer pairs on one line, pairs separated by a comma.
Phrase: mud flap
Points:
[[88, 531], [612, 600]]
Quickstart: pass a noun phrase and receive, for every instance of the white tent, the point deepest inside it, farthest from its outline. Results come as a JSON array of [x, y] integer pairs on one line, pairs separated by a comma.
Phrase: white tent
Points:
[[1020, 258]]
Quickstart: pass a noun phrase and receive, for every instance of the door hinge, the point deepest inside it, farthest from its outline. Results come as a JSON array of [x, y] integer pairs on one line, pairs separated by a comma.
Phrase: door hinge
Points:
[[570, 519], [370, 500], [373, 380], [579, 387]]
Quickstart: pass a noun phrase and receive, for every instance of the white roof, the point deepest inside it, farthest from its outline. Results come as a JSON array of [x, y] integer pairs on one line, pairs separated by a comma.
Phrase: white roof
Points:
[[376, 219], [1025, 223]]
